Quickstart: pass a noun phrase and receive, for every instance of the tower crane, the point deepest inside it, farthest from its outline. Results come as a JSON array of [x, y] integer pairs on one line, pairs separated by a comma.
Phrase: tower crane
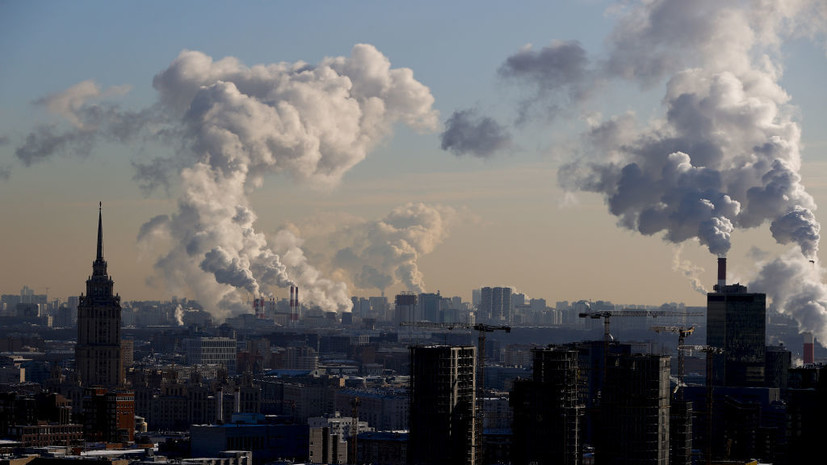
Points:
[[710, 351], [607, 315], [482, 329], [682, 333]]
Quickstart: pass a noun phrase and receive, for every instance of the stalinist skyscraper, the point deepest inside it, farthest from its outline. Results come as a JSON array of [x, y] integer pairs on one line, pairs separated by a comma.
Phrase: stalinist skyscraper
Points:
[[98, 350]]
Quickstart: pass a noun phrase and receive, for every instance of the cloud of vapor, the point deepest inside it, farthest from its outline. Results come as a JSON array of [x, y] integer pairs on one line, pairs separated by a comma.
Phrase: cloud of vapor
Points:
[[90, 119], [689, 270], [232, 126], [559, 75], [727, 153], [380, 253], [796, 288], [467, 132]]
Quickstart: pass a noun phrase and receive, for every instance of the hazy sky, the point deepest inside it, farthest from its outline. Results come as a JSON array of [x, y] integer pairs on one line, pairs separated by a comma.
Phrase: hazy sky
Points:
[[327, 167]]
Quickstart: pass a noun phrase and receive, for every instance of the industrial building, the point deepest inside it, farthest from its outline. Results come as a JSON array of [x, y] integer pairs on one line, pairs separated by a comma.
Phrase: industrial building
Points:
[[736, 323]]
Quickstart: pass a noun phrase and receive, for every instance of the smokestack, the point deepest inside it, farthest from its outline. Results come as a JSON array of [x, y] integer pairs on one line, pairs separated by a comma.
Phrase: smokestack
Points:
[[219, 406], [809, 348], [294, 309], [721, 274]]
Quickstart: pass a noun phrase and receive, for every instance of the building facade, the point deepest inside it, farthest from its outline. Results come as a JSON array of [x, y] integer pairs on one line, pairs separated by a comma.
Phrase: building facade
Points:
[[547, 412], [443, 404], [736, 322], [98, 351], [211, 351], [635, 411]]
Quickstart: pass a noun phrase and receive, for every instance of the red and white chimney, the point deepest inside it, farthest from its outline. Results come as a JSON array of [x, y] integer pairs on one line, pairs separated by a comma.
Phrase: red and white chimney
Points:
[[721, 273], [809, 348]]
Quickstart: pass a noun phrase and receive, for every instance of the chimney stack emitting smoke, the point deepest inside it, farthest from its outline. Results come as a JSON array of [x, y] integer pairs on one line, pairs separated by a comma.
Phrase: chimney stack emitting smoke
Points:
[[721, 274], [809, 347]]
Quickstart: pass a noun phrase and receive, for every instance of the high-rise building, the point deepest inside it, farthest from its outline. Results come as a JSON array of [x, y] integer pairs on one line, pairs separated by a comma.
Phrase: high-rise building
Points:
[[495, 305], [98, 350], [443, 404], [547, 413], [405, 308], [736, 322], [429, 307], [634, 411]]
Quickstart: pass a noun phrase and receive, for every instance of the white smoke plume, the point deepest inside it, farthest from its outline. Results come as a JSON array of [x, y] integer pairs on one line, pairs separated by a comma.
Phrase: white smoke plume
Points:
[[179, 315], [797, 289], [378, 254], [727, 153], [689, 270], [233, 125]]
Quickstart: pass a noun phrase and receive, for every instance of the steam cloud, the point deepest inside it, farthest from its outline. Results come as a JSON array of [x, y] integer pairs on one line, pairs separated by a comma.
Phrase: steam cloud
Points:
[[467, 132], [235, 125], [384, 252], [726, 153], [797, 290]]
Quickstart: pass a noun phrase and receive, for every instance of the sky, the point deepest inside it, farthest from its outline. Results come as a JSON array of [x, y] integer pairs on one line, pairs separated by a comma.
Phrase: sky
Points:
[[572, 150]]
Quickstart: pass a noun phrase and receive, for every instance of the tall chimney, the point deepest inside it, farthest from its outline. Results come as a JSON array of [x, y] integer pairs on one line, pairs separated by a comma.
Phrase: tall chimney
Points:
[[721, 274], [809, 348]]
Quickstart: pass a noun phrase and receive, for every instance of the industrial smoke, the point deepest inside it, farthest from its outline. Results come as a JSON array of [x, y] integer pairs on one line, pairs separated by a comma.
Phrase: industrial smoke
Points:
[[234, 126]]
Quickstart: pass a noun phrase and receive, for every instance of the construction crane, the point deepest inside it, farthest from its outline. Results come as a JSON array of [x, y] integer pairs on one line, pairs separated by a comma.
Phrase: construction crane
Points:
[[482, 329], [710, 352], [682, 333], [607, 315]]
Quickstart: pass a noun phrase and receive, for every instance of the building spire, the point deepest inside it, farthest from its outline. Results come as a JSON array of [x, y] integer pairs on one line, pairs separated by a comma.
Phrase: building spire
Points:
[[100, 232]]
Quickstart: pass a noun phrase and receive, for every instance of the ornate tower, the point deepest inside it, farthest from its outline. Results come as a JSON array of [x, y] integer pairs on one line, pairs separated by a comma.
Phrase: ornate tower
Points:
[[98, 350]]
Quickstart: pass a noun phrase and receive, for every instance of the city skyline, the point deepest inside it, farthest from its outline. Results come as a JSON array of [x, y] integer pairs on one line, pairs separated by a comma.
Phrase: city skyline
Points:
[[493, 216]]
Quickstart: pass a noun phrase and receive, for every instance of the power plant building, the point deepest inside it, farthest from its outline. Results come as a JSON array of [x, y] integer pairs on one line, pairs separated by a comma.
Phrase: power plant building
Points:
[[736, 323]]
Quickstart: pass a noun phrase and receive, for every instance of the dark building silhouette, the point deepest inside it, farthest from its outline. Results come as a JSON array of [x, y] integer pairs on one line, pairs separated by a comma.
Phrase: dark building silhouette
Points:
[[108, 416], [680, 432], [736, 322], [443, 402], [547, 412], [634, 411], [98, 350]]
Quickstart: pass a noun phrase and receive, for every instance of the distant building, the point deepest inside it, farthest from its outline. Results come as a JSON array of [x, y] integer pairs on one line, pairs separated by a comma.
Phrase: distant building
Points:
[[211, 351], [383, 448], [405, 309], [429, 307], [495, 305], [443, 402], [98, 350], [326, 447], [266, 440], [736, 322]]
